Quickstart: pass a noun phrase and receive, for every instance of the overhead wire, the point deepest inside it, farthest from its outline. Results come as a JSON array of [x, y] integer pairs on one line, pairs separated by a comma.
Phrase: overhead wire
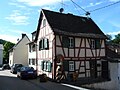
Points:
[[78, 6], [105, 6], [88, 12]]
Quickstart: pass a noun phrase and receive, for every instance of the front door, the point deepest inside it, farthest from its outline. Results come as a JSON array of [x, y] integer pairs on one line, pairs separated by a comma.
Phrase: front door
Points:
[[93, 69], [105, 73]]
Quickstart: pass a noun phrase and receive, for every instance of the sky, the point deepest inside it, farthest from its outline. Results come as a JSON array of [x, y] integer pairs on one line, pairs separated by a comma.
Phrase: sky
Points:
[[21, 16]]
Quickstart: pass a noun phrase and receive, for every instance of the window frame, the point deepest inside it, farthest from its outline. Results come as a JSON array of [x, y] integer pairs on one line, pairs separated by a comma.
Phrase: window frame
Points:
[[71, 66], [71, 42], [97, 44], [92, 43], [44, 44], [68, 42], [33, 62], [44, 22]]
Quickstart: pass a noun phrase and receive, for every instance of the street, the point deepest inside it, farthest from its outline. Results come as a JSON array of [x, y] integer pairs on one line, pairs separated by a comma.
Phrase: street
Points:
[[9, 81]]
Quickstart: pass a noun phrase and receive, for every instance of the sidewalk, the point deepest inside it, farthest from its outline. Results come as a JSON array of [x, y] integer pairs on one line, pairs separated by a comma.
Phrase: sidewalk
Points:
[[49, 85]]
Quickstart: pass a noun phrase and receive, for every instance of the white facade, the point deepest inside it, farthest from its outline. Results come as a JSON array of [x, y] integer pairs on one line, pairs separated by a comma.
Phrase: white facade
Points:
[[46, 55], [19, 53], [32, 59], [1, 54]]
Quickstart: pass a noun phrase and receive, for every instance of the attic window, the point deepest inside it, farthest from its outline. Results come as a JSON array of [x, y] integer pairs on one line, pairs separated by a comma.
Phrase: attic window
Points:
[[44, 22]]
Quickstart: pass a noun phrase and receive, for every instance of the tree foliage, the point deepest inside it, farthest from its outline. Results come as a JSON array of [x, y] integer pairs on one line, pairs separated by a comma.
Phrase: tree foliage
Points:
[[117, 39], [7, 47]]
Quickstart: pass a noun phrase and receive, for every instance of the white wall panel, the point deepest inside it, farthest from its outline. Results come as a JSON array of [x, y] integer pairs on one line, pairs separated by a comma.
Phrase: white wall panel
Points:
[[88, 53], [59, 50], [77, 42], [71, 52], [82, 53]]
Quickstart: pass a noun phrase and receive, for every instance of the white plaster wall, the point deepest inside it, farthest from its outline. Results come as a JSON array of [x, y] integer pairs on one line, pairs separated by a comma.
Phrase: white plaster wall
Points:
[[102, 52], [87, 43], [103, 44], [71, 52], [76, 52], [77, 42], [89, 53], [32, 54], [82, 53], [58, 40], [21, 52]]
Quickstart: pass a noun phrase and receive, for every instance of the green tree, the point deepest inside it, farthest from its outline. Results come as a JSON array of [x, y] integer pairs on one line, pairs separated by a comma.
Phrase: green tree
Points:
[[117, 39], [109, 37], [7, 47]]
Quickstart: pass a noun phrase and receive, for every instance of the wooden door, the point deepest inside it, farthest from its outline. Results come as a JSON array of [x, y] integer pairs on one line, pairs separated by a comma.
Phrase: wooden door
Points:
[[105, 73], [93, 69]]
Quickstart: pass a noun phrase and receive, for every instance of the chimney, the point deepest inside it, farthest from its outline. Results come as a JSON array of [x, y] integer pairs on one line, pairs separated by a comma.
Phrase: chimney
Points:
[[23, 35]]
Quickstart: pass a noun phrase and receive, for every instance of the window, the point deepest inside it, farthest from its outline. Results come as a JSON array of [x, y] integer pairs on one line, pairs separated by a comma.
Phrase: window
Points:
[[44, 44], [41, 44], [46, 66], [44, 22], [71, 65], [68, 42], [92, 44], [65, 41], [33, 47], [29, 47], [95, 44], [42, 65], [71, 42], [33, 61], [29, 61]]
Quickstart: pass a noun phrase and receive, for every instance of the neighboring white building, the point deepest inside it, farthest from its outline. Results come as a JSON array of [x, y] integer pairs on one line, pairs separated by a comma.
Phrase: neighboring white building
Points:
[[1, 54], [32, 51], [19, 52]]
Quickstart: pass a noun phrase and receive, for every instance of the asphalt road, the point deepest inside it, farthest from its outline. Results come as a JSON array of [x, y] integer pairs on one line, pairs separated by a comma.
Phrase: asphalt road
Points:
[[9, 81]]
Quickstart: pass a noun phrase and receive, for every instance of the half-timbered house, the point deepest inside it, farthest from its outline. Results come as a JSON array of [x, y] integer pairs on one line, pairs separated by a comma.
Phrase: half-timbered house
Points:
[[71, 44]]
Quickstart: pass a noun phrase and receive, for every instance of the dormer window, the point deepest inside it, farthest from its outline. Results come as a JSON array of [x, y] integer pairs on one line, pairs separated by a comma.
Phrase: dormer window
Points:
[[44, 22]]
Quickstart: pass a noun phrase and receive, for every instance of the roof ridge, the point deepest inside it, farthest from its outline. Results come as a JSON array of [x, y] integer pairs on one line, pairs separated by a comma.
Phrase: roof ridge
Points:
[[70, 14]]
